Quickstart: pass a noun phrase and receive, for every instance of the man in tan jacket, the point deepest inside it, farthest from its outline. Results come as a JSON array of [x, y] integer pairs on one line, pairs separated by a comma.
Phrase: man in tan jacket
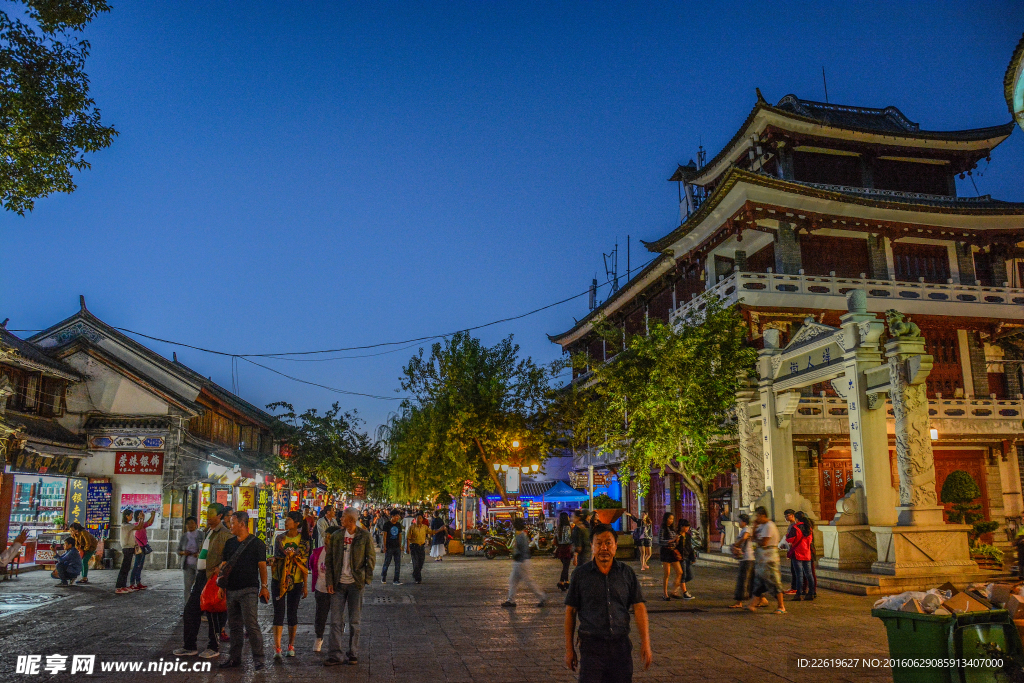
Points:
[[210, 557], [349, 567]]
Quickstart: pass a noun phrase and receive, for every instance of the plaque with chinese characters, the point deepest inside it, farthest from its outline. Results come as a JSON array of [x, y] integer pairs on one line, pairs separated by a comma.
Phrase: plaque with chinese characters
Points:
[[138, 462], [75, 503]]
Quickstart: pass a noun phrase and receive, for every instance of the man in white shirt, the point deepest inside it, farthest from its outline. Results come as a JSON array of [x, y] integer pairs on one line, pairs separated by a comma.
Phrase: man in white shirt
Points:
[[767, 578], [323, 524]]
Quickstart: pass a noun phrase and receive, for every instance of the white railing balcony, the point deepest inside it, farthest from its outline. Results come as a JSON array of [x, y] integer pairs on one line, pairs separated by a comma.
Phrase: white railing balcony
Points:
[[950, 416], [829, 293], [583, 459]]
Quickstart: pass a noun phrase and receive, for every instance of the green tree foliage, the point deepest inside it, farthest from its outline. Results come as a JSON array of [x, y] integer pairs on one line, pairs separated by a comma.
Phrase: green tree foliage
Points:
[[469, 403], [666, 400], [961, 490], [48, 122], [329, 447]]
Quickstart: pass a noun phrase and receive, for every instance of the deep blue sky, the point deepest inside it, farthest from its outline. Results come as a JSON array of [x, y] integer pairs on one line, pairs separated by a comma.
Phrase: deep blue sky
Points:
[[313, 175]]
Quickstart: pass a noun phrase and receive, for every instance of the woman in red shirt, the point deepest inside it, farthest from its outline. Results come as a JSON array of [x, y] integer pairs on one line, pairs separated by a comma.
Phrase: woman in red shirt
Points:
[[802, 545]]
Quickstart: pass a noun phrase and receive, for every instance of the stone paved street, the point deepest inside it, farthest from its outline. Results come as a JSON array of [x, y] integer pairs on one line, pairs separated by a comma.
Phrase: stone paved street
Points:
[[451, 628]]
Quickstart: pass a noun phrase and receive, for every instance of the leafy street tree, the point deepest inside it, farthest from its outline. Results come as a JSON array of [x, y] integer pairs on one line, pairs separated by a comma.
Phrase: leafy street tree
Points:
[[48, 122], [666, 400], [329, 447], [469, 403]]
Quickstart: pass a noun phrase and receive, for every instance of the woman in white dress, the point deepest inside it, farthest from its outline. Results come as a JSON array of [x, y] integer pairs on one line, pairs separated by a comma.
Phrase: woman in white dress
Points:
[[440, 534]]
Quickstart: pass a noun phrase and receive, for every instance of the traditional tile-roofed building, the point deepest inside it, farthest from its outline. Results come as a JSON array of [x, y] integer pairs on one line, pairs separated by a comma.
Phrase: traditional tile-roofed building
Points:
[[131, 405], [807, 202]]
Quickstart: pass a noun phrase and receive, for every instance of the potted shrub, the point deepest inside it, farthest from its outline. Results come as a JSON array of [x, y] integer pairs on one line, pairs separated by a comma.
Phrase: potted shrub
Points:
[[960, 490], [607, 508]]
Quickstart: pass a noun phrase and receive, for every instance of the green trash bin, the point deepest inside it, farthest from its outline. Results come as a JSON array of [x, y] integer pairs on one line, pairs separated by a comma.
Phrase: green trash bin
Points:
[[989, 635]]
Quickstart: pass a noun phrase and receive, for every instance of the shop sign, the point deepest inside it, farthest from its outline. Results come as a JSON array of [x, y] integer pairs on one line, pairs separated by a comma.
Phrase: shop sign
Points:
[[134, 462], [246, 498], [512, 480], [204, 500], [75, 503], [359, 492], [39, 463], [127, 442], [265, 517], [97, 504], [578, 480]]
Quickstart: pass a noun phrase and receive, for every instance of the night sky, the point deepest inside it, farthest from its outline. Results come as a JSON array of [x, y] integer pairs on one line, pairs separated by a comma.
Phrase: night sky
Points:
[[294, 176]]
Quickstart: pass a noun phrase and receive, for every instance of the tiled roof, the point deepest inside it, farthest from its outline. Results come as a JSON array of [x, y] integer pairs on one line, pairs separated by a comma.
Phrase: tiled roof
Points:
[[982, 202], [46, 429], [33, 354], [888, 120], [879, 199], [534, 488], [122, 422], [74, 328]]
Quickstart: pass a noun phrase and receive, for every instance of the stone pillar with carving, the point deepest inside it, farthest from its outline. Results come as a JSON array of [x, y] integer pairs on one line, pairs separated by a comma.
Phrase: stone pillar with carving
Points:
[[869, 440], [848, 540], [920, 543], [751, 472], [777, 440], [908, 369]]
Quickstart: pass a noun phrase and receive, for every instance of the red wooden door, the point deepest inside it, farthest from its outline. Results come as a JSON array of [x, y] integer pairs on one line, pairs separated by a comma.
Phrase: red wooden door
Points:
[[947, 374], [835, 470], [914, 261]]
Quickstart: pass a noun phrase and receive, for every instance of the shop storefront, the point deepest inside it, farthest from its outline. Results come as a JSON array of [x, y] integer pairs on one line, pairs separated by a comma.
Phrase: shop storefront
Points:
[[37, 489]]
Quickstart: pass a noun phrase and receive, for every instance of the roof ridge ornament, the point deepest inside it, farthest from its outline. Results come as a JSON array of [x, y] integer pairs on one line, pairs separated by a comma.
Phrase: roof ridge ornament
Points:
[[81, 303]]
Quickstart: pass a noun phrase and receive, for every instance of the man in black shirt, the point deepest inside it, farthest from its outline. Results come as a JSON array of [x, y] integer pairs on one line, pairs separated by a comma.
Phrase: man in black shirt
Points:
[[600, 595], [245, 562], [393, 541]]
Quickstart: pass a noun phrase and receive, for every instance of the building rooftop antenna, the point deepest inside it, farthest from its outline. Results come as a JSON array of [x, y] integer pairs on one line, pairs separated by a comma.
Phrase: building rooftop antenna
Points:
[[825, 83], [611, 267]]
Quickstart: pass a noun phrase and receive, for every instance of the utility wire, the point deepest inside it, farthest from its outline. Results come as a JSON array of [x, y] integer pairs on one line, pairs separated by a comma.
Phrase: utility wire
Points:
[[368, 346], [323, 386], [284, 355]]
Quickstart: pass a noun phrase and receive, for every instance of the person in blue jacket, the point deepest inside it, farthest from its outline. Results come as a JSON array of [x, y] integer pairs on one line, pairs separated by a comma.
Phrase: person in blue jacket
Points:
[[69, 563]]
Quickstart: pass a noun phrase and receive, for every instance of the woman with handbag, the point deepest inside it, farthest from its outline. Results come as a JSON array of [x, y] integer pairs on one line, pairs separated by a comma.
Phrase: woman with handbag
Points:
[[670, 556], [288, 577], [564, 549], [643, 536], [142, 547]]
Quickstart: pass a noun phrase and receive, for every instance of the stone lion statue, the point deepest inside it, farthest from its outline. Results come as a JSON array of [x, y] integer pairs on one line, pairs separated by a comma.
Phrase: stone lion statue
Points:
[[899, 326]]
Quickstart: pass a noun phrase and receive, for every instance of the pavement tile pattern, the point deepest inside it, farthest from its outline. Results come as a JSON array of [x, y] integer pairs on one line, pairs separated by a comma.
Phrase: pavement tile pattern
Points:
[[451, 629]]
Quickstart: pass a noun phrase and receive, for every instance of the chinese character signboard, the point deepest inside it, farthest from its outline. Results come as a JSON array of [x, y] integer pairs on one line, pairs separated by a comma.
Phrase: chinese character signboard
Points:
[[127, 441], [75, 503], [578, 480], [97, 505], [246, 498], [265, 516], [138, 462]]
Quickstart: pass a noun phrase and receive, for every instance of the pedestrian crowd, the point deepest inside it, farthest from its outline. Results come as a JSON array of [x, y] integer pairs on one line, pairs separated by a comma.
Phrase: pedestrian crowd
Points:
[[228, 571]]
